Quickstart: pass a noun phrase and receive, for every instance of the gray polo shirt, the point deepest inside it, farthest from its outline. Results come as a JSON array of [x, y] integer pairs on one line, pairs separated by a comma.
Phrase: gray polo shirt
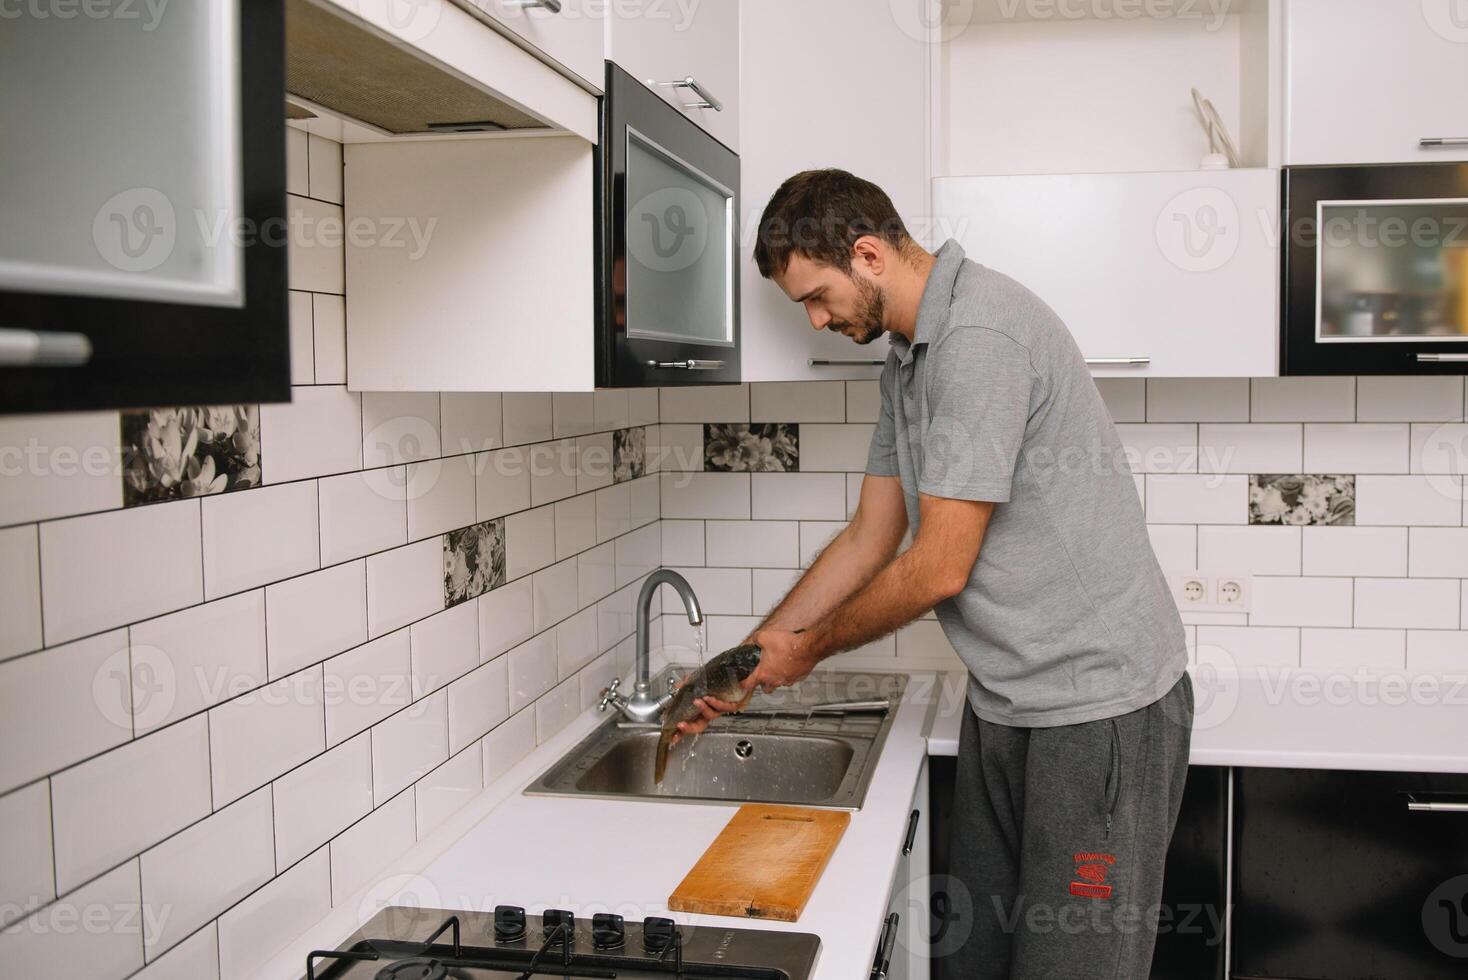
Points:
[[1066, 617]]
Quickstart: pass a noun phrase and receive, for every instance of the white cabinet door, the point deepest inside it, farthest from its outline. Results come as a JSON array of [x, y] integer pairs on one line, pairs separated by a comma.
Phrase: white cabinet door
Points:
[[795, 120], [469, 265], [667, 42], [569, 32], [1174, 274], [1368, 80], [909, 896]]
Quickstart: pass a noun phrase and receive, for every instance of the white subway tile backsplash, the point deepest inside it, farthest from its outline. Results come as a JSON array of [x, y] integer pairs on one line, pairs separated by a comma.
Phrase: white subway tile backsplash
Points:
[[302, 339], [324, 169], [59, 465], [506, 618], [1404, 500], [25, 852], [195, 658], [611, 408], [362, 513], [753, 544], [572, 413], [330, 317], [1197, 399], [508, 744], [442, 792], [576, 644], [441, 496], [1249, 448], [107, 570], [1303, 400], [316, 433], [1160, 447], [863, 401], [796, 401], [1354, 550], [316, 245], [575, 525], [477, 702], [642, 406], [1389, 603], [1249, 647], [1353, 648], [322, 798], [675, 448], [1175, 545], [1355, 448], [682, 542], [297, 171], [196, 958], [404, 585], [257, 928], [1440, 449], [552, 471], [198, 873], [596, 574], [1437, 650], [815, 536], [530, 541], [1282, 601], [834, 448], [20, 590], [527, 417], [1438, 552], [502, 482], [472, 422], [770, 586], [258, 536], [311, 617], [646, 501], [721, 591], [638, 553], [77, 694], [445, 647], [1414, 399], [261, 735], [108, 809], [557, 708], [409, 744], [555, 593], [399, 427], [1258, 549], [532, 669], [365, 685], [797, 496], [1174, 498], [109, 947], [613, 512], [710, 403], [1125, 398], [369, 845], [593, 462]]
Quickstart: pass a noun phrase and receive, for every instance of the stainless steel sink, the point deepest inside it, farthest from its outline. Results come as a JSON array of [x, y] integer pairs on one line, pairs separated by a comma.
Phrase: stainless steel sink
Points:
[[777, 752]]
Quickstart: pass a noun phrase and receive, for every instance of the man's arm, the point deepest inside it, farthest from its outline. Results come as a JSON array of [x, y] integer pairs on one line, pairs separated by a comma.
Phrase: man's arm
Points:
[[851, 560]]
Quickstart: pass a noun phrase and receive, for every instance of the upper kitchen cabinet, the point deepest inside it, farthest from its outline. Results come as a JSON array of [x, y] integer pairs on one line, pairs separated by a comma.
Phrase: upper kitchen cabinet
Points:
[[876, 127], [467, 197], [143, 195], [569, 33], [689, 54], [1068, 153], [1375, 81]]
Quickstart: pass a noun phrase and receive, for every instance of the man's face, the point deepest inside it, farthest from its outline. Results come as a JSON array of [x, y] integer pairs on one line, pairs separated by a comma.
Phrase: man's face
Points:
[[852, 305]]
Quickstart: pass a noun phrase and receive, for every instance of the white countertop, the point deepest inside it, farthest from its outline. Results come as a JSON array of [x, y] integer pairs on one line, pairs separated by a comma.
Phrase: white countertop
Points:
[[1303, 718], [627, 856]]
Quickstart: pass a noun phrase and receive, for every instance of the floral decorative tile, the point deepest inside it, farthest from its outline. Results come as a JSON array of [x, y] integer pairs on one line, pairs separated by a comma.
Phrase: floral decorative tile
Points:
[[473, 560], [170, 453], [629, 454], [772, 447], [1277, 498]]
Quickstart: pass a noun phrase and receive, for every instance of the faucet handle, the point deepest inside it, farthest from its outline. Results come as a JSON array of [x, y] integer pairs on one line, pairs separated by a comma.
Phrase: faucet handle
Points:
[[672, 684], [609, 695]]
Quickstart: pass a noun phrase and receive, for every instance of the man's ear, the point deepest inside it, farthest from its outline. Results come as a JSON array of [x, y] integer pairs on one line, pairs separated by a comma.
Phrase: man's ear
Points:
[[868, 255]]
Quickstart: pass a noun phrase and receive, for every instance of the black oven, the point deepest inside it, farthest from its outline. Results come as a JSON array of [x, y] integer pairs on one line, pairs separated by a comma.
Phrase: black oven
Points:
[[667, 310], [1375, 269]]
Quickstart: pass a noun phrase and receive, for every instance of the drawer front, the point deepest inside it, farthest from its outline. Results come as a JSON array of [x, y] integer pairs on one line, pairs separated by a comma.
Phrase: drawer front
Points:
[[1346, 875], [568, 32]]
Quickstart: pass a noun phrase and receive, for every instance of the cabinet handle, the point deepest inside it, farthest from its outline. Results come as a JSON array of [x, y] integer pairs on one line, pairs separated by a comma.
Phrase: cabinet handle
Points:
[[708, 101], [884, 948], [43, 348], [845, 361], [1118, 360], [1441, 358], [1430, 141], [687, 365], [912, 822], [1436, 806], [554, 6]]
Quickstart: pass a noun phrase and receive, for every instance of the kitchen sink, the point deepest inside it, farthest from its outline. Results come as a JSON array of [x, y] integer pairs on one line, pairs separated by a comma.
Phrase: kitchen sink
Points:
[[777, 751]]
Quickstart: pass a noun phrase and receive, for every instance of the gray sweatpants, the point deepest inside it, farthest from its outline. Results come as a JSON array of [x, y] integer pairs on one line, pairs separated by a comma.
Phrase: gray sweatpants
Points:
[[1059, 840]]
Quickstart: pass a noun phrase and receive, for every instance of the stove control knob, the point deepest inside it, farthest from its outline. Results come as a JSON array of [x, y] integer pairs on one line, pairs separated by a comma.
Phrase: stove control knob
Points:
[[551, 918], [607, 931], [509, 923], [657, 933]]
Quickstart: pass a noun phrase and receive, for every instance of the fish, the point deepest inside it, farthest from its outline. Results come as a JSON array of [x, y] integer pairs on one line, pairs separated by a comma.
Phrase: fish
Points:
[[721, 678]]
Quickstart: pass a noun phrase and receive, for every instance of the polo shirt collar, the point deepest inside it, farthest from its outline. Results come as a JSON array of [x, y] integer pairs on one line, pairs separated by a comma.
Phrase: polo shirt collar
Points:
[[936, 300]]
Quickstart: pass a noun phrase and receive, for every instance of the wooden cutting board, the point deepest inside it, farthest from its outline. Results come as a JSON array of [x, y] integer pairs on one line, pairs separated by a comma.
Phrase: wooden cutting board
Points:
[[764, 864]]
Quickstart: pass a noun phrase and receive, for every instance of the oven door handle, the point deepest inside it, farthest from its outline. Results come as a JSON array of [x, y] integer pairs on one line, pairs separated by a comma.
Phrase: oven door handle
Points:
[[1442, 358], [689, 365]]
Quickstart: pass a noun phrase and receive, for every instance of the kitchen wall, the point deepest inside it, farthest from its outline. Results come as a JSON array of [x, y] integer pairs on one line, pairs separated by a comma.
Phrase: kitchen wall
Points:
[[1334, 494], [250, 654]]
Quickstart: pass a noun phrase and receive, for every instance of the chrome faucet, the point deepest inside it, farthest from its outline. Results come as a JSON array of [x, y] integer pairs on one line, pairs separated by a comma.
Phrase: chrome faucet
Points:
[[643, 706]]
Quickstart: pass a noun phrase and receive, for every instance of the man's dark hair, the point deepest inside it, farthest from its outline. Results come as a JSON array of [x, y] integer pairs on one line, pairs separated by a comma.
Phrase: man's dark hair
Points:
[[820, 214]]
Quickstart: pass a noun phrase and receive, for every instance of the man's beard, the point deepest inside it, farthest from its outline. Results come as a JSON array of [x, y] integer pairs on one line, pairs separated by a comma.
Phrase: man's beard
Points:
[[867, 323]]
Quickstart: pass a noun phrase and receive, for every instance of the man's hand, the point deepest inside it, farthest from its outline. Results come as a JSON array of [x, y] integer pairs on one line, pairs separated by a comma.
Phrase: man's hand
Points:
[[782, 662]]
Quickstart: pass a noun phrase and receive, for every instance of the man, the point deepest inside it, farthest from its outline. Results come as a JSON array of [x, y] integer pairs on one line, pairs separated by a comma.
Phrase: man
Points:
[[1029, 543]]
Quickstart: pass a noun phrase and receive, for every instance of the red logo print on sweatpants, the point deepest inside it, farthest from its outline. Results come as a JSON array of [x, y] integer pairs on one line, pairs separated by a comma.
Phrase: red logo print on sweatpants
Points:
[[1091, 869]]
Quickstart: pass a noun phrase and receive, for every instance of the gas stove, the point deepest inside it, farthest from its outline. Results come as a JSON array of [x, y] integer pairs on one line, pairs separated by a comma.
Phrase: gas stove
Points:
[[437, 944]]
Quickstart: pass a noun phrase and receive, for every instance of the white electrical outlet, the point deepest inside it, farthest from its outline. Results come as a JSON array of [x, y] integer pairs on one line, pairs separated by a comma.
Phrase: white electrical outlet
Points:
[[1232, 592], [1191, 590], [1199, 591]]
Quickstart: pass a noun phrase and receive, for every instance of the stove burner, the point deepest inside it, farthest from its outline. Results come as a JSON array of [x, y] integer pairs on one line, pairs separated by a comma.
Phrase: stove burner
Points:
[[414, 969]]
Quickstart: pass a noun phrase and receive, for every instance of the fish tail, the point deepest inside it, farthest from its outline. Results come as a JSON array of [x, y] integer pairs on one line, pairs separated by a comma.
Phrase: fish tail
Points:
[[660, 764]]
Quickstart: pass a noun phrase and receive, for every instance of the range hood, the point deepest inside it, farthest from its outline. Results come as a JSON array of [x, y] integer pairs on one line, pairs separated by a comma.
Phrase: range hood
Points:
[[442, 72]]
